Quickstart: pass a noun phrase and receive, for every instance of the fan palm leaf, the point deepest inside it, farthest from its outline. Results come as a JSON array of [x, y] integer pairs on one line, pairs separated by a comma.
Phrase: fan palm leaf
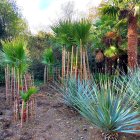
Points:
[[63, 31], [15, 54], [48, 57], [82, 30]]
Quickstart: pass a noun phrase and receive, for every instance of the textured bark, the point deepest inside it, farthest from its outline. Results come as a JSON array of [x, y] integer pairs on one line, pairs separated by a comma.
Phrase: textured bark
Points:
[[45, 74], [132, 42], [71, 62], [68, 63]]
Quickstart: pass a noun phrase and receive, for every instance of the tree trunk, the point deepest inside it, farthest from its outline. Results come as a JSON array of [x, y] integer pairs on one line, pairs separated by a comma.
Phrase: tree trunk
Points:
[[81, 60], [132, 42], [76, 76], [71, 71], [68, 65], [45, 73]]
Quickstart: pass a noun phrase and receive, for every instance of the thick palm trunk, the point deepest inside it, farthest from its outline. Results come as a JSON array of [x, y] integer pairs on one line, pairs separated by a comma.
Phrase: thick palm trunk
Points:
[[132, 42]]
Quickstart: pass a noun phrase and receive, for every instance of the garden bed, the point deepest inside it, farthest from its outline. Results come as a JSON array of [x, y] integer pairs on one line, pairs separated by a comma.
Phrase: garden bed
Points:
[[54, 121]]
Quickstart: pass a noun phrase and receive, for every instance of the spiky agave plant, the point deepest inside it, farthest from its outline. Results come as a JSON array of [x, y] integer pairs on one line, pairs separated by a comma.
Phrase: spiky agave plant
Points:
[[107, 107], [132, 81]]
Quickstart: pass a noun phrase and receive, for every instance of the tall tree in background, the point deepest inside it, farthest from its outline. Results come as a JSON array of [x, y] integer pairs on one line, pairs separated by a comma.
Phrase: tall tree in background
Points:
[[11, 22], [130, 10], [37, 44]]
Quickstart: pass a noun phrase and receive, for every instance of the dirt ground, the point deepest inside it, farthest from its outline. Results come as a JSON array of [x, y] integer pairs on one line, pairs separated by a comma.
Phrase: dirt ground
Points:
[[54, 121]]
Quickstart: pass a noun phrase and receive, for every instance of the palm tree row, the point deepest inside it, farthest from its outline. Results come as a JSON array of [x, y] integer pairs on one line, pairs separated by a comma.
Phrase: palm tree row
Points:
[[74, 37], [15, 57]]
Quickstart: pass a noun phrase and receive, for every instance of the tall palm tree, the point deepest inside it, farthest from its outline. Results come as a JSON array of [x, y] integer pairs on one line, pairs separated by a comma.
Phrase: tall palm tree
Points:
[[15, 55], [64, 36], [82, 31], [130, 10]]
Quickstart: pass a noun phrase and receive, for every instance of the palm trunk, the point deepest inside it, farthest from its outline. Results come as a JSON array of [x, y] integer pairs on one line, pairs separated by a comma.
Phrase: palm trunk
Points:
[[76, 74], [6, 82], [132, 42], [88, 69], [81, 60], [22, 113], [62, 63], [71, 61], [68, 64], [84, 66], [14, 83], [45, 70]]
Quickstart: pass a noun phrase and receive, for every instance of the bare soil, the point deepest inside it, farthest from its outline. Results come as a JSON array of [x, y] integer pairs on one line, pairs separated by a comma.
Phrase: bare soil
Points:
[[54, 121]]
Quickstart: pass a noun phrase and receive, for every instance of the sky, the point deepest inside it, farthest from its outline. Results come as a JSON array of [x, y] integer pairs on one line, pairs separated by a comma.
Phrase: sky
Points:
[[40, 14]]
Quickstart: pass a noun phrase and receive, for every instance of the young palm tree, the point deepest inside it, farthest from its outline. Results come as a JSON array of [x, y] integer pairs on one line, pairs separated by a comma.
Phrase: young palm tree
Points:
[[15, 54], [26, 97], [48, 60], [130, 10]]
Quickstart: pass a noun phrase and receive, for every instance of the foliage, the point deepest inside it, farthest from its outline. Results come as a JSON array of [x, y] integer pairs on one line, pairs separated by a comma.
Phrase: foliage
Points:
[[132, 81], [106, 106], [68, 93], [111, 52], [11, 23], [70, 33], [82, 32], [2, 76], [26, 95], [64, 33], [105, 25], [15, 54], [37, 44], [48, 57], [116, 8]]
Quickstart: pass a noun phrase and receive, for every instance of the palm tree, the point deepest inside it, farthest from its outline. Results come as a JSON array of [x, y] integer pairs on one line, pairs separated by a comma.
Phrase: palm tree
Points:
[[82, 30], [130, 10], [48, 60], [64, 35], [15, 55]]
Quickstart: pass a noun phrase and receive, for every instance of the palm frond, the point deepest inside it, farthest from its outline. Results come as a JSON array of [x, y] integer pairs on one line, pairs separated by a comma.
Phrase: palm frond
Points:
[[63, 31], [48, 57], [110, 10], [15, 53], [82, 31]]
